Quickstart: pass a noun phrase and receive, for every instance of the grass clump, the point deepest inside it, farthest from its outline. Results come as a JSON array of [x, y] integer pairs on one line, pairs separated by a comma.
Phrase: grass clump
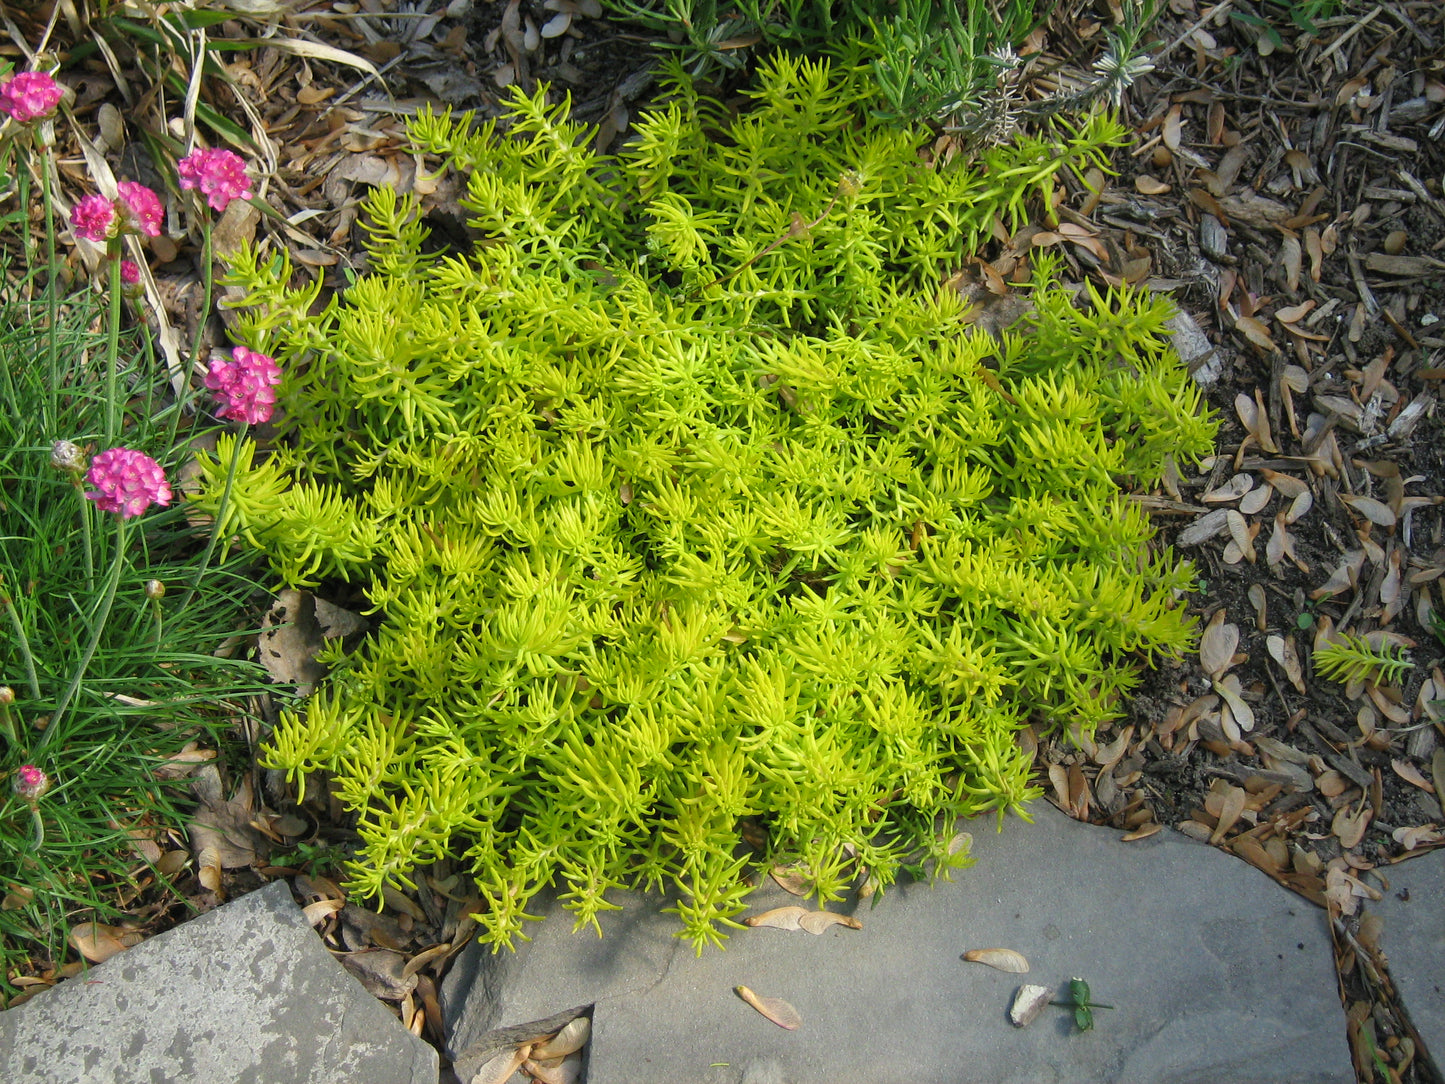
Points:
[[691, 497]]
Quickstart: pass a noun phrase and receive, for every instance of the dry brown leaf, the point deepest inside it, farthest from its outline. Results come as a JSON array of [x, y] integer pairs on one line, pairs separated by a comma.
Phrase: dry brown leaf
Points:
[[1231, 490], [1421, 835], [1254, 501], [1299, 507], [774, 1008], [1173, 126], [1349, 826], [1287, 485], [1144, 831], [1000, 959], [1283, 651], [498, 1069], [815, 922], [791, 880], [1217, 644], [779, 918], [1256, 332], [1241, 533], [208, 869], [1375, 511], [1231, 806], [1411, 774], [1151, 186], [566, 1070], [318, 912], [1235, 713], [98, 942], [571, 1038]]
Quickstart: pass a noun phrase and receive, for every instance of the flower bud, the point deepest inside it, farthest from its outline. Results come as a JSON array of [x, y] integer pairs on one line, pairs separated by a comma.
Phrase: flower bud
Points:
[[67, 456], [30, 782], [155, 590], [7, 696]]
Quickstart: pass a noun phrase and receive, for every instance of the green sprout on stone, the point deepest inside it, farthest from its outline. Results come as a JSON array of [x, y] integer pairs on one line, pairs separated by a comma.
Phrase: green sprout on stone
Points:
[[1080, 1000]]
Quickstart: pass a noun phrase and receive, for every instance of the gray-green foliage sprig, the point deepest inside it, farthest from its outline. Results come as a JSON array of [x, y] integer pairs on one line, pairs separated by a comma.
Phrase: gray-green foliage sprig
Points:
[[690, 496]]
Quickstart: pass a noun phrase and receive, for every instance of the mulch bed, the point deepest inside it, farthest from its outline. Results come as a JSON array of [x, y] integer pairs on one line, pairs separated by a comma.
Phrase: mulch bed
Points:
[[1285, 189]]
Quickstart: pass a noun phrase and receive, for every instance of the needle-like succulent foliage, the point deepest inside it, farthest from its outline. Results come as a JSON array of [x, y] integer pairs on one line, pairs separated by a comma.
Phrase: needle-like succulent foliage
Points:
[[692, 496]]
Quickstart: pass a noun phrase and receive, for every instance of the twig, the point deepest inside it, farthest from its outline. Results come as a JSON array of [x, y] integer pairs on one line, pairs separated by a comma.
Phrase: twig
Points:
[[1212, 13]]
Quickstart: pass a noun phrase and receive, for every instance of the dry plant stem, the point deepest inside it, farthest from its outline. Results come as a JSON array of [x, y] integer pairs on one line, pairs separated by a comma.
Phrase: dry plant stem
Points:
[[97, 629]]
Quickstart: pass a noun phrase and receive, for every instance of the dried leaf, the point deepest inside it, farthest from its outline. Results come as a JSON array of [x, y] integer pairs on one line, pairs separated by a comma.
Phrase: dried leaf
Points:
[[498, 1069], [1287, 485], [1299, 507], [1151, 186], [1254, 501], [98, 942], [1419, 836], [792, 880], [815, 922], [1237, 711], [1144, 831], [1216, 646], [1374, 511], [1240, 533], [571, 1038], [316, 913], [1437, 771], [1283, 651], [779, 918], [1231, 490], [208, 869], [774, 1008], [1231, 806], [1411, 774], [1349, 826], [1255, 331], [1000, 959]]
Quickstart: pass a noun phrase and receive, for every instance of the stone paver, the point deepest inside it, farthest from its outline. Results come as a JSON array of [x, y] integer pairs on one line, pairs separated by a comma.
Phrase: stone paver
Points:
[[245, 993], [1414, 941], [1216, 974]]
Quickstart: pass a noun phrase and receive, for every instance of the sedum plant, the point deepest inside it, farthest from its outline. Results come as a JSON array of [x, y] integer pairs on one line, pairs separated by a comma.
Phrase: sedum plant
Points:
[[690, 496]]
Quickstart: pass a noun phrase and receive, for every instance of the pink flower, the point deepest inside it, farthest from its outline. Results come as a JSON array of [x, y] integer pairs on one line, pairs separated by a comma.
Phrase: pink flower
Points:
[[129, 273], [218, 173], [29, 96], [30, 782], [92, 218], [142, 208], [243, 385], [127, 482]]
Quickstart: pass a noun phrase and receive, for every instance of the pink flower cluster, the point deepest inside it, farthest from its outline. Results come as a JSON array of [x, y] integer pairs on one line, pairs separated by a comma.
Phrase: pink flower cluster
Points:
[[30, 782], [218, 173], [28, 96], [244, 386], [95, 218], [127, 482]]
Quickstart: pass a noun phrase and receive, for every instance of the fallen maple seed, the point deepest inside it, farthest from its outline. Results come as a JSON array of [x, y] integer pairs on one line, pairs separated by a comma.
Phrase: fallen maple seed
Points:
[[1000, 959], [774, 1008]]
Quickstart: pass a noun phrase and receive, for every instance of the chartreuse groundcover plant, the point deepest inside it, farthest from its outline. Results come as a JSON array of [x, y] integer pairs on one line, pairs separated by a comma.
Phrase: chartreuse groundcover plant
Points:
[[690, 495]]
